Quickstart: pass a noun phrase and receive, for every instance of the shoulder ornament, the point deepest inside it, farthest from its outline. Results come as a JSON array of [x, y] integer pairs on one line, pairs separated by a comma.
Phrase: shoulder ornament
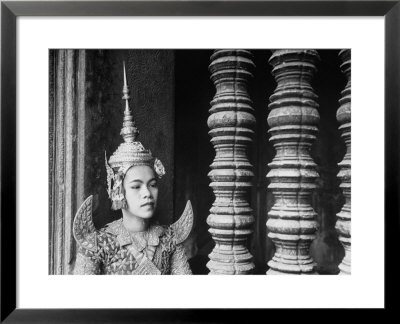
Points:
[[183, 226], [83, 227]]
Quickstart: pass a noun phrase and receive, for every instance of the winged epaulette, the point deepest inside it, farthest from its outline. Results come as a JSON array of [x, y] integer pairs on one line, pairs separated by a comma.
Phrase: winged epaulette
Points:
[[83, 227], [183, 226]]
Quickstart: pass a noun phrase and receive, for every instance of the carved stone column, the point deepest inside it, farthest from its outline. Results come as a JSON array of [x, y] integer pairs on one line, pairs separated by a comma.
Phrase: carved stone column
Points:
[[343, 115], [293, 121], [67, 119], [231, 126]]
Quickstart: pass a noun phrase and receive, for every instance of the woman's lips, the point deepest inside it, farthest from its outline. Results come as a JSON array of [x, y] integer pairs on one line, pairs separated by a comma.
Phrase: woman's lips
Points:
[[149, 204]]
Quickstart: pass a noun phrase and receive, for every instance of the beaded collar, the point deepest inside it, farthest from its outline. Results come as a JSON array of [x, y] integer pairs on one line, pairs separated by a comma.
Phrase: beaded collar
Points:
[[140, 240]]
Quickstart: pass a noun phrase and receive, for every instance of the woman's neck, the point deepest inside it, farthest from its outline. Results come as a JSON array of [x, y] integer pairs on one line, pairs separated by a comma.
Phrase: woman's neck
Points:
[[133, 223]]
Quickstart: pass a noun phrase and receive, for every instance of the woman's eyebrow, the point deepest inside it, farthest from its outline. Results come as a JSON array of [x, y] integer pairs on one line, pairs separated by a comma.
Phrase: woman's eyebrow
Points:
[[136, 180]]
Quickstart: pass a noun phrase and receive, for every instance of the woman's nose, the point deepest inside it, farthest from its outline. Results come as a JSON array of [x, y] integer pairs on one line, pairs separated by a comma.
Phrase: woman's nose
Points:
[[146, 193]]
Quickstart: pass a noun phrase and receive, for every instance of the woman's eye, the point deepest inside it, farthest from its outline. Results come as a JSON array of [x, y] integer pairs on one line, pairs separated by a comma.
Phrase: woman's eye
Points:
[[153, 185], [135, 187]]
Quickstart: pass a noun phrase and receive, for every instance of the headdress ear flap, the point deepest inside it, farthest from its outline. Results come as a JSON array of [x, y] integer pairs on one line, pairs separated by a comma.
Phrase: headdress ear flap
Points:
[[117, 192], [159, 168], [110, 175]]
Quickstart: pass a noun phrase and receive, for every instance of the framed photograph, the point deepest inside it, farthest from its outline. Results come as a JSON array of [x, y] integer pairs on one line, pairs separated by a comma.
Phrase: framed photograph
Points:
[[257, 140]]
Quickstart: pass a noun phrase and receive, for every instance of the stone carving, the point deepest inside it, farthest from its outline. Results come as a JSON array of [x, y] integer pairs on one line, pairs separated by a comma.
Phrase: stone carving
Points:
[[66, 134], [293, 121], [231, 126], [51, 154], [343, 115], [58, 232]]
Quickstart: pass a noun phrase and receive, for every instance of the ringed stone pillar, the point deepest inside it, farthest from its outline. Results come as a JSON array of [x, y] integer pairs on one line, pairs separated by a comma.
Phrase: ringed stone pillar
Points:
[[343, 115], [293, 121], [231, 126]]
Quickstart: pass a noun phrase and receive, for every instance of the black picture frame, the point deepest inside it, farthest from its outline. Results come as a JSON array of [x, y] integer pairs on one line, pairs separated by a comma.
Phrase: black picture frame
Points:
[[10, 10]]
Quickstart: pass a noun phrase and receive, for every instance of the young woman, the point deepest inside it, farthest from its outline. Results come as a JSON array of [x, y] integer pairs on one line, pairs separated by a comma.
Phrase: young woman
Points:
[[131, 244]]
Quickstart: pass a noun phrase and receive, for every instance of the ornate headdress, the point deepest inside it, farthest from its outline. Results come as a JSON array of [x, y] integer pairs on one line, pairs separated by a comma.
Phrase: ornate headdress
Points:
[[130, 153]]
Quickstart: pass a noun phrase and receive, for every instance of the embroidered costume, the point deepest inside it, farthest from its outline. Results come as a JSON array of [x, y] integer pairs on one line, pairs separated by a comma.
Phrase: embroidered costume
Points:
[[113, 249]]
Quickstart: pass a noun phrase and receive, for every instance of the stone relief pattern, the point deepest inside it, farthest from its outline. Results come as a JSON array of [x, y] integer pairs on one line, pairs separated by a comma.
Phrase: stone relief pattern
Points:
[[60, 153], [52, 75]]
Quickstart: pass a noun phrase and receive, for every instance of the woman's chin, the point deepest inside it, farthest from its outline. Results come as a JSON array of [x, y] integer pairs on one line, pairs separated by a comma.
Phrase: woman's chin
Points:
[[142, 214], [147, 216]]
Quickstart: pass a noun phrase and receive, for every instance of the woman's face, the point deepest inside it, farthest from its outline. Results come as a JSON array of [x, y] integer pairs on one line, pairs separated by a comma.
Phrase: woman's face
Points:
[[141, 191]]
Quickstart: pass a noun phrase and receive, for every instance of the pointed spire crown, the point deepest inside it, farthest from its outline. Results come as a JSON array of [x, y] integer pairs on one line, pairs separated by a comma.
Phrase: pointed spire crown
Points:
[[131, 152], [129, 130]]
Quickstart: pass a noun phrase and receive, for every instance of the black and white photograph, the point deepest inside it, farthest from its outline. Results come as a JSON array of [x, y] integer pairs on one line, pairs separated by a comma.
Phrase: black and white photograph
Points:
[[224, 147], [199, 161]]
